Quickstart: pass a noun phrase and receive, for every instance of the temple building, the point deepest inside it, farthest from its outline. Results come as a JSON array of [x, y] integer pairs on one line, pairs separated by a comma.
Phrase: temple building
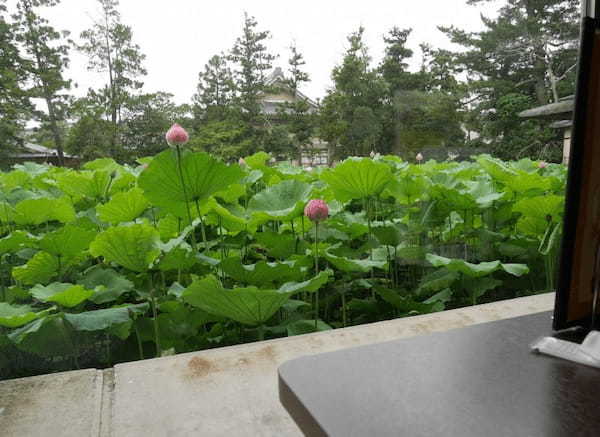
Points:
[[317, 152]]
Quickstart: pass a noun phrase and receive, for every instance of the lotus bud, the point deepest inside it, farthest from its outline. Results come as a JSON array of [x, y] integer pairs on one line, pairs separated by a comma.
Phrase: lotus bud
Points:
[[542, 164], [177, 136], [419, 157], [242, 162], [316, 210]]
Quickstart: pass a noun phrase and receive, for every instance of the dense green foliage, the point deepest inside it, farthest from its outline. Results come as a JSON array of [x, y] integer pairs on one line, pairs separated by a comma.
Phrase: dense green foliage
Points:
[[112, 263]]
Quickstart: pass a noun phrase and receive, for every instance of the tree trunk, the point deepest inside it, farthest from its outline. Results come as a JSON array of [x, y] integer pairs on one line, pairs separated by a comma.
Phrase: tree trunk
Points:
[[58, 142], [539, 52], [39, 68]]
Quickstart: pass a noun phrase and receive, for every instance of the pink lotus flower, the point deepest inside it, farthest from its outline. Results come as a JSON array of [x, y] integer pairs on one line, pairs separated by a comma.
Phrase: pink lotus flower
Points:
[[177, 136], [542, 164], [419, 157], [242, 162], [316, 210]]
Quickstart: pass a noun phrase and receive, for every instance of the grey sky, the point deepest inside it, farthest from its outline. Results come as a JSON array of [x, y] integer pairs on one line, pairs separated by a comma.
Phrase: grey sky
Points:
[[179, 36]]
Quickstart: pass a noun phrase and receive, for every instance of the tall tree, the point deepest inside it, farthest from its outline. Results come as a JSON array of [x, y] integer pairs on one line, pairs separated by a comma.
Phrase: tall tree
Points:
[[15, 106], [47, 57], [252, 61], [215, 90], [298, 115], [525, 56], [147, 118], [394, 66], [110, 48], [351, 114]]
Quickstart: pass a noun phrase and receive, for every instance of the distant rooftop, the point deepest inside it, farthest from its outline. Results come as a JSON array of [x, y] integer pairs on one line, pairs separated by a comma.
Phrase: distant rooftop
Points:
[[563, 106]]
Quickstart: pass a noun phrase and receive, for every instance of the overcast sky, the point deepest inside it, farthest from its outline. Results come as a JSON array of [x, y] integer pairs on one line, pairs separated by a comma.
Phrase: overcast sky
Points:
[[179, 36]]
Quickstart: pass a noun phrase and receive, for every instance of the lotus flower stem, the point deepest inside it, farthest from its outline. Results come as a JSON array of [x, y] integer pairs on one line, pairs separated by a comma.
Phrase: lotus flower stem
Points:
[[316, 271], [185, 196], [344, 309], [155, 316], [202, 229], [138, 338]]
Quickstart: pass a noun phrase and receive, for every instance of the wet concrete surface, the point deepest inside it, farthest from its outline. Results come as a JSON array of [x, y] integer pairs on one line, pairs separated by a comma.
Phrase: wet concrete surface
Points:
[[60, 404]]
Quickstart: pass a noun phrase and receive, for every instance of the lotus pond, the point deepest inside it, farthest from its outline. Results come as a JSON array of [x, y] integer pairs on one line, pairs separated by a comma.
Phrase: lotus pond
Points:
[[183, 252]]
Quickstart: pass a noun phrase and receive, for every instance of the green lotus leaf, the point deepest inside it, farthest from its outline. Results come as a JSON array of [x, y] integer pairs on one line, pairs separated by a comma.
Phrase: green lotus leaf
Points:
[[13, 316], [279, 246], [538, 213], [106, 164], [453, 199], [477, 287], [64, 294], [441, 296], [355, 225], [67, 242], [123, 206], [170, 227], [38, 211], [108, 285], [283, 201], [358, 178], [134, 247], [15, 179], [407, 189], [232, 193], [231, 218], [389, 235], [41, 268], [46, 337], [179, 257], [261, 273], [311, 285], [7, 213], [16, 241], [250, 306], [354, 265], [476, 270], [497, 169], [98, 320], [483, 192], [85, 184], [436, 281], [299, 327], [203, 176], [541, 206], [406, 304], [515, 269], [257, 160], [524, 182]]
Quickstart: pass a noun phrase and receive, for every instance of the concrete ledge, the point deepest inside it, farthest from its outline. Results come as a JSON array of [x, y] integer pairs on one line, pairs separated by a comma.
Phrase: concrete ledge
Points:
[[229, 391], [59, 404]]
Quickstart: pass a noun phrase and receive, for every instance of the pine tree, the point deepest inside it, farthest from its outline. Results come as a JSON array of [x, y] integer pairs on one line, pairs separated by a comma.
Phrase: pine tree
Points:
[[297, 76], [46, 59], [298, 116], [523, 58], [215, 90], [351, 114], [15, 106], [252, 61], [110, 48]]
